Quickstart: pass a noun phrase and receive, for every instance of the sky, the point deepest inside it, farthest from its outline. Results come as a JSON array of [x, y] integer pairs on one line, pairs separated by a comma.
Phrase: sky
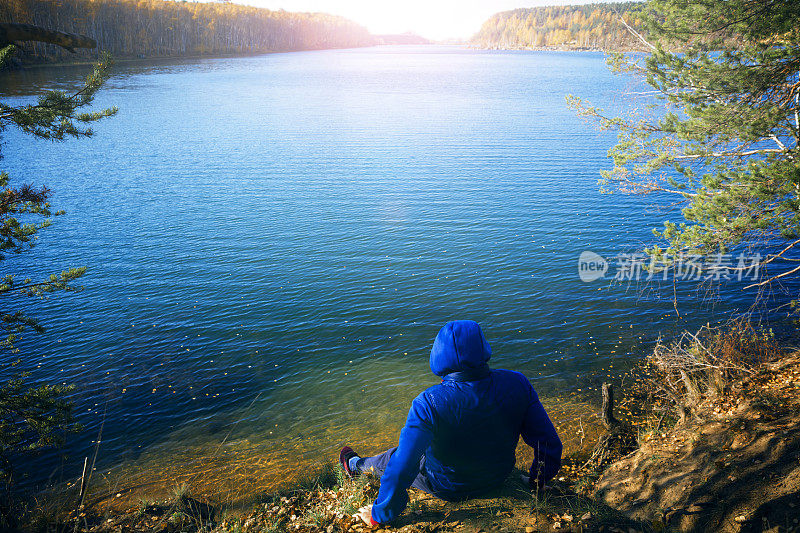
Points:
[[434, 19]]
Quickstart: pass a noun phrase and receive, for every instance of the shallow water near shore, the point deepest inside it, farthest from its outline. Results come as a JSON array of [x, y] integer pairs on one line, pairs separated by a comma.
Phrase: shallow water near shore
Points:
[[274, 241]]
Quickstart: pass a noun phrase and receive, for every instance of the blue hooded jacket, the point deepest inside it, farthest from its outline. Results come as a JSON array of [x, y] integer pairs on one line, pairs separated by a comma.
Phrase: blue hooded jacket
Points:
[[467, 427]]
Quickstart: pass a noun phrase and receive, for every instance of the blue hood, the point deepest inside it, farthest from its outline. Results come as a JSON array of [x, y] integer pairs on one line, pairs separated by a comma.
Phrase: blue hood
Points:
[[460, 349]]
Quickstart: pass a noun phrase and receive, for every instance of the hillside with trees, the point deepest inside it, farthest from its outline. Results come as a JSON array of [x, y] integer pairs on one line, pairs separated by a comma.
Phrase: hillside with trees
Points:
[[590, 26], [401, 38], [159, 28]]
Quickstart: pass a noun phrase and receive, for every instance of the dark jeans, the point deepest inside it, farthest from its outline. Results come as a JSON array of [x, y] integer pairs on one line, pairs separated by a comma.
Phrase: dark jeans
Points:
[[378, 464]]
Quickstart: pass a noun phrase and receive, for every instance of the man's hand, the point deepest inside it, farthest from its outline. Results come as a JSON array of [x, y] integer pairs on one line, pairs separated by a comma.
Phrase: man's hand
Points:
[[365, 514]]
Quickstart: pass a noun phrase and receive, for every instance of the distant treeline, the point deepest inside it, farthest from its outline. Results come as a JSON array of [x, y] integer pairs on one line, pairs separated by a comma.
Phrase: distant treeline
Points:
[[590, 26], [162, 28], [402, 38]]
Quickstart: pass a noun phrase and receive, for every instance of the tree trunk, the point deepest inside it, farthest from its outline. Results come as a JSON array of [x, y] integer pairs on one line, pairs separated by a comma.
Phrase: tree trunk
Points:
[[619, 439], [607, 410]]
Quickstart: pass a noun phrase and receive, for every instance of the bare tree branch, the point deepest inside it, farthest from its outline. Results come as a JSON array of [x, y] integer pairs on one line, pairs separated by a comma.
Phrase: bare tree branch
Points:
[[733, 154], [773, 278], [635, 33]]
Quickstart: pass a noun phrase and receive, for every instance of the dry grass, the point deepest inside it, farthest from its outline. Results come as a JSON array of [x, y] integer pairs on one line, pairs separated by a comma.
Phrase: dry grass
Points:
[[678, 375]]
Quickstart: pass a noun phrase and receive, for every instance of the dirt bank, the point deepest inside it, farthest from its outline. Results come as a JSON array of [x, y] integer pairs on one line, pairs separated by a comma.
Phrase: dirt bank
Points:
[[734, 467]]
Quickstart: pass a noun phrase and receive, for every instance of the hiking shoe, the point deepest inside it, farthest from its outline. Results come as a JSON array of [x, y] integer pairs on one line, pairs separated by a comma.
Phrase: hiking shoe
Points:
[[345, 455]]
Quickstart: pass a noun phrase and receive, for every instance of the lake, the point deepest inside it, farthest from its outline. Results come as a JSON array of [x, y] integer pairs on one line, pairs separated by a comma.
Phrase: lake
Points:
[[273, 242]]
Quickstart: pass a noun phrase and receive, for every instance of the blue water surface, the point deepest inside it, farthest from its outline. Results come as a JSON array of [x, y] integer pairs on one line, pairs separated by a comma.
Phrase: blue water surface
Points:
[[273, 242]]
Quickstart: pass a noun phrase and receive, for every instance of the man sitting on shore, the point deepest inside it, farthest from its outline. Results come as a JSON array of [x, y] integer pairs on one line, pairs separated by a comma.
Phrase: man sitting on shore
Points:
[[460, 437]]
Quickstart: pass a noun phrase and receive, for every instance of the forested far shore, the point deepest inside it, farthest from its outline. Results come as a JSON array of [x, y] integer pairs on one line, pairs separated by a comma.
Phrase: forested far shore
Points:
[[160, 28], [590, 26]]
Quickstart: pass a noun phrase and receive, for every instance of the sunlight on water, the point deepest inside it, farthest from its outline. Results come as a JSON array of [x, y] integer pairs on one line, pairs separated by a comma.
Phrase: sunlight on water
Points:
[[273, 242]]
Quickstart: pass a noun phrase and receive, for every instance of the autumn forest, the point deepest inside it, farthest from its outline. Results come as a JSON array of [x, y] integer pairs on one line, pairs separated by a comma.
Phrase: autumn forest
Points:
[[590, 26], [159, 28], [162, 28]]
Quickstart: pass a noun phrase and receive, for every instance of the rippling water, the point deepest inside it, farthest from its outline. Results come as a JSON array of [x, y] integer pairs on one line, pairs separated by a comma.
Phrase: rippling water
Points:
[[274, 241]]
